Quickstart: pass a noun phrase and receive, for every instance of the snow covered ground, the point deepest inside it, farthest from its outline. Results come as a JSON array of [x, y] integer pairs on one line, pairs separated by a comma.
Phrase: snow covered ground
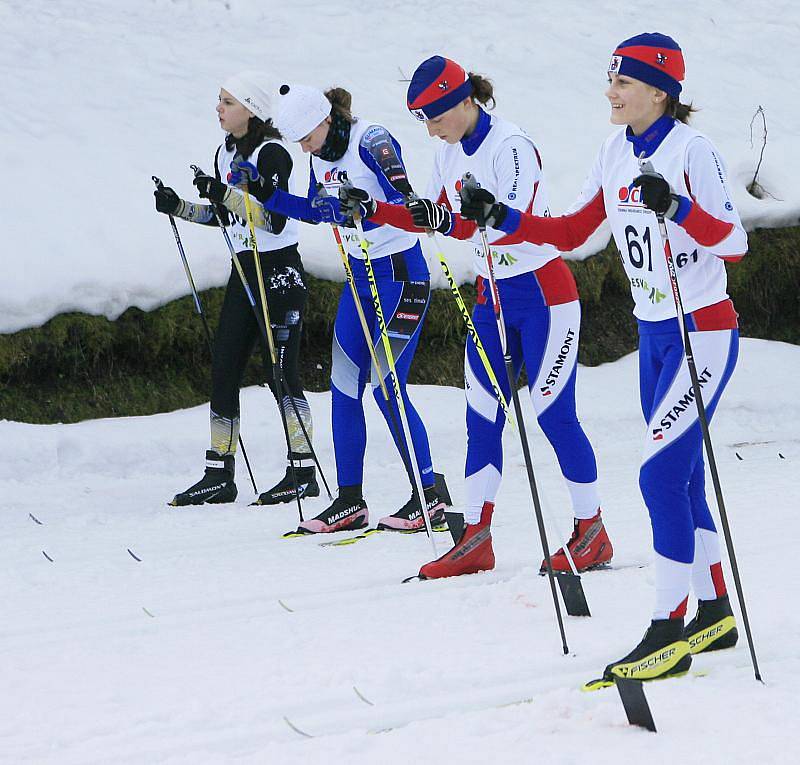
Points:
[[98, 95], [187, 655]]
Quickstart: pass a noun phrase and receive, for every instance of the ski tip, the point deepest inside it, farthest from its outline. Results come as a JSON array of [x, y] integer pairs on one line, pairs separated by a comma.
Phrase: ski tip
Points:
[[298, 532], [415, 578], [596, 685]]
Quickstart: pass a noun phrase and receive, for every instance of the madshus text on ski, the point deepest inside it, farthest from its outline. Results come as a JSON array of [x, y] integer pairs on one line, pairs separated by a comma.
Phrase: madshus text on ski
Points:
[[662, 187]]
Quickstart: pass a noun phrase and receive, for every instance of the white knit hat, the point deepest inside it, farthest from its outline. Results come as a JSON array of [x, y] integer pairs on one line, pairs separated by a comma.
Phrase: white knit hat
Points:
[[300, 110], [251, 90]]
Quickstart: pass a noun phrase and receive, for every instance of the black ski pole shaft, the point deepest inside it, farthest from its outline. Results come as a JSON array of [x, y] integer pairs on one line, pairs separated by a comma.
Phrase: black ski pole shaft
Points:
[[703, 418], [526, 452], [501, 329], [201, 313]]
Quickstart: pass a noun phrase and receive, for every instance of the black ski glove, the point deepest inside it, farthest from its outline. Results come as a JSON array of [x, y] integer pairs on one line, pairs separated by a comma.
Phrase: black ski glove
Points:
[[657, 195], [353, 200], [427, 214], [480, 205], [167, 201], [210, 188]]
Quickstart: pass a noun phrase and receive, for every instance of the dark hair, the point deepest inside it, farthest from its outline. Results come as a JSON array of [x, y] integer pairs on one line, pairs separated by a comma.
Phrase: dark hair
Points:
[[679, 111], [341, 102], [258, 131], [482, 90]]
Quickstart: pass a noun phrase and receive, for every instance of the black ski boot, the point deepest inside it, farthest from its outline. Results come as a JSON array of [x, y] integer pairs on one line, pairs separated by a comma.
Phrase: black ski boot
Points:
[[409, 517], [713, 628], [663, 652], [285, 491], [347, 513], [215, 487]]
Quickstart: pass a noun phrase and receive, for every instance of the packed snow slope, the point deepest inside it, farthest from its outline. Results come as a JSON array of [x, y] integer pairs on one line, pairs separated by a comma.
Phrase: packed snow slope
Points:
[[99, 95], [195, 650]]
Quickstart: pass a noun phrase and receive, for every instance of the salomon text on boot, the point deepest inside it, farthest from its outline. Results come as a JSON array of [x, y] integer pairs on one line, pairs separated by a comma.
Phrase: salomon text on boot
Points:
[[215, 487], [286, 490]]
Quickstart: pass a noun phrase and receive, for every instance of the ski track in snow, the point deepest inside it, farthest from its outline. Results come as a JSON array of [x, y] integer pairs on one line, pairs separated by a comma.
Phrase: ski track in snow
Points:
[[187, 656], [127, 90]]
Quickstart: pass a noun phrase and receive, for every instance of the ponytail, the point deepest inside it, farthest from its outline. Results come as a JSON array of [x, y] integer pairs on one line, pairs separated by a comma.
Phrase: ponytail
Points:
[[341, 101], [482, 90], [681, 112]]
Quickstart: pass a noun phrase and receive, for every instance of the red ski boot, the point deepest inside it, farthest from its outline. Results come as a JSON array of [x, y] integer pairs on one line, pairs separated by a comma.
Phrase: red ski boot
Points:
[[472, 553], [589, 546]]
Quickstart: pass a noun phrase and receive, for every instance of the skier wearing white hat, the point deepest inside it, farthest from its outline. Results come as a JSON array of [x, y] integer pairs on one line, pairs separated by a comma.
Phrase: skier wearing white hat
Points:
[[245, 114]]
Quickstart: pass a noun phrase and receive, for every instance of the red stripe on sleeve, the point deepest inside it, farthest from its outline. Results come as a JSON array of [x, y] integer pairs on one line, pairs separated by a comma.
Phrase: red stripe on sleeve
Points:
[[515, 238], [704, 228], [567, 231], [393, 215]]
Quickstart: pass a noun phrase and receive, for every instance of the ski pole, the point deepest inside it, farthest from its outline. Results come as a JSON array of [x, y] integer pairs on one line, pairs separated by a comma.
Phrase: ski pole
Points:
[[199, 308], [469, 180], [260, 322], [387, 347], [471, 330], [702, 416]]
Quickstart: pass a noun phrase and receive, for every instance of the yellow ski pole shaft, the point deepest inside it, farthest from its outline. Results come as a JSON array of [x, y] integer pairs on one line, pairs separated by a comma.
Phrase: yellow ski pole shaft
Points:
[[387, 347], [262, 292], [471, 330], [277, 373], [360, 309]]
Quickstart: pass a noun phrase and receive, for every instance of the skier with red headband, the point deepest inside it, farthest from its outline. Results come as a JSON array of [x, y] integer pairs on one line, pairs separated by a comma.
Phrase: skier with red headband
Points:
[[656, 163], [540, 307]]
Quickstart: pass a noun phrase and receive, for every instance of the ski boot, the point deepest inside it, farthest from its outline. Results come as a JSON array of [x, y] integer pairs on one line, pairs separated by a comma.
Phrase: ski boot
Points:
[[589, 546], [662, 652], [714, 626], [347, 513], [285, 491], [215, 487], [409, 517], [472, 553]]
